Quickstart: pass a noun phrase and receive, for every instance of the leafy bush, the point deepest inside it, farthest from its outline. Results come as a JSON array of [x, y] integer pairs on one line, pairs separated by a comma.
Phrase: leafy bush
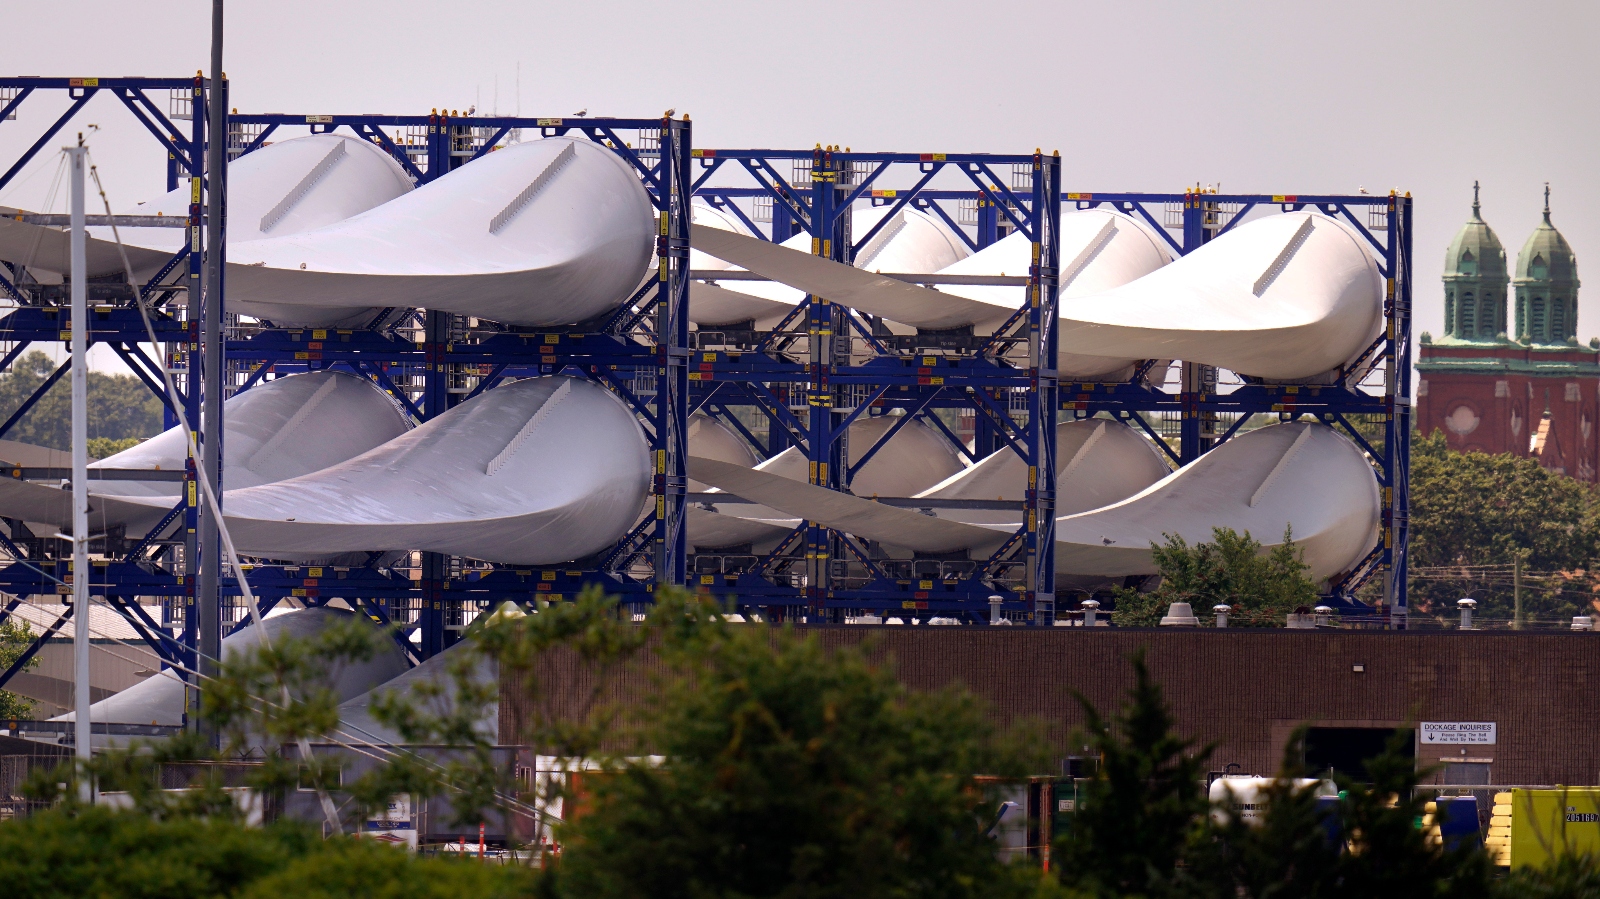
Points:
[[1231, 570]]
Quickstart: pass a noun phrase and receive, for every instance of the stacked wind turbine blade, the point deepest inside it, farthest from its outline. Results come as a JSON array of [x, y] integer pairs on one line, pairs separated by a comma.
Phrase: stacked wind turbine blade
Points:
[[711, 303], [284, 188], [1301, 477], [437, 679], [161, 699], [544, 233], [908, 240], [281, 429], [1286, 297], [913, 459], [1099, 463], [541, 471]]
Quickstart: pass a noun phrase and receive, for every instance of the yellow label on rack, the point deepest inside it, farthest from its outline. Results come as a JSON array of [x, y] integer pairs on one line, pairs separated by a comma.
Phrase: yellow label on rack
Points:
[[319, 335], [925, 585], [547, 575], [549, 123], [552, 338], [313, 572]]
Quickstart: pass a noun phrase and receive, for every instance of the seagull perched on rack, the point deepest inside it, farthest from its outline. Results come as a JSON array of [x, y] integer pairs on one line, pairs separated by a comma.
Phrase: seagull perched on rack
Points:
[[582, 112]]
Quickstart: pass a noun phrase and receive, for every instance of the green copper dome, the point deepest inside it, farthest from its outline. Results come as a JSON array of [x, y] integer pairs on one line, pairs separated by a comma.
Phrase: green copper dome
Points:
[[1475, 283], [1547, 256], [1546, 287], [1476, 252]]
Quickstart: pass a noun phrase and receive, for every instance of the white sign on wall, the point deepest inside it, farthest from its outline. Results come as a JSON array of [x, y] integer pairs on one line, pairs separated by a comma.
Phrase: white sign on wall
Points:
[[1435, 733]]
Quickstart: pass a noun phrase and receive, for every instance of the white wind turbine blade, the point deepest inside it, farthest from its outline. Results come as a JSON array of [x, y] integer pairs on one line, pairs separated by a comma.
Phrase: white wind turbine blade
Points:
[[1285, 297], [540, 471], [548, 232], [1300, 476], [281, 429], [290, 186]]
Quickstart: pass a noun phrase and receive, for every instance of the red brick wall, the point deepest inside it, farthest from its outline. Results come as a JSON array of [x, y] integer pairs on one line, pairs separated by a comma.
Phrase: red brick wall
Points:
[[1508, 406], [1245, 689]]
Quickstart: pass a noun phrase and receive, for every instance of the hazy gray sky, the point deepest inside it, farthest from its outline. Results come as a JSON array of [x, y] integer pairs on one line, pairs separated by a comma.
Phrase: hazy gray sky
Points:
[[1259, 96]]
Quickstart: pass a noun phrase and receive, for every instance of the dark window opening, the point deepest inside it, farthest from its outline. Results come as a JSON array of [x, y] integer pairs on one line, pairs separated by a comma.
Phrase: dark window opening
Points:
[[1345, 750]]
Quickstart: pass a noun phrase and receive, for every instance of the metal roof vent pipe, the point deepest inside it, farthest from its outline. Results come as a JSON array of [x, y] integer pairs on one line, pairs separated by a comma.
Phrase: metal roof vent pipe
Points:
[[1301, 619], [1179, 614], [1466, 604], [1583, 622], [1221, 610], [994, 610], [1323, 615], [1089, 607]]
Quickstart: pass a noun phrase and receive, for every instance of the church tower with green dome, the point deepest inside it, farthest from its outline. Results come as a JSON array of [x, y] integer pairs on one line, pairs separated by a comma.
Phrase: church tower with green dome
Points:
[[1531, 389], [1547, 286], [1475, 282]]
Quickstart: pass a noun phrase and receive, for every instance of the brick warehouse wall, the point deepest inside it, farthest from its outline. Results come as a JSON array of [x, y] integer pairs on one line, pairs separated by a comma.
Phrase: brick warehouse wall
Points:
[[1244, 689]]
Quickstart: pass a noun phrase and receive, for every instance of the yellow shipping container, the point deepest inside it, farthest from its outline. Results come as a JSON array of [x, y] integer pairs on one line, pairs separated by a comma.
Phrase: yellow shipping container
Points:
[[1546, 824]]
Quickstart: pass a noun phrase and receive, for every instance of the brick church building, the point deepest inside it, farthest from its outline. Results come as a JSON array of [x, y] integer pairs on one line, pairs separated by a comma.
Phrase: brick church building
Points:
[[1530, 388]]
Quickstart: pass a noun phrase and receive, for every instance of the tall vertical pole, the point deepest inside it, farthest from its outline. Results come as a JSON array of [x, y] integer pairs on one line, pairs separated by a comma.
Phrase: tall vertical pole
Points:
[[209, 613], [80, 471], [1516, 589]]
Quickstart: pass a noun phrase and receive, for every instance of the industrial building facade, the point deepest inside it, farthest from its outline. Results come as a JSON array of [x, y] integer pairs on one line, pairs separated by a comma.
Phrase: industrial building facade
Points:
[[1244, 690], [1509, 375]]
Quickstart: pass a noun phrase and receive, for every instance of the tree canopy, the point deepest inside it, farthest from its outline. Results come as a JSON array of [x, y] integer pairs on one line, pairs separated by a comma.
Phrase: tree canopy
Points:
[[1261, 588], [1472, 513], [119, 407]]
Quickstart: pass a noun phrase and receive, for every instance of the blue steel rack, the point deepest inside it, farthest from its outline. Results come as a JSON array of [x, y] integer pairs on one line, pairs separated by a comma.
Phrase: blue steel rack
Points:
[[1198, 407], [155, 565], [820, 574], [638, 351]]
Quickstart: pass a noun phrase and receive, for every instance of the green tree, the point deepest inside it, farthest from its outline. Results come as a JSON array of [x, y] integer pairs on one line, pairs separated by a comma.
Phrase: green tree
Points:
[[1140, 812], [119, 406], [15, 638], [102, 447], [74, 852], [1289, 853], [788, 770], [1230, 570], [1472, 509]]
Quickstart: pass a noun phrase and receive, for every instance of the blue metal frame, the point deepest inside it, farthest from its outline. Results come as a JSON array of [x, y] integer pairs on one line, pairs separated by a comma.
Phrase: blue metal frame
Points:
[[1201, 217], [115, 321], [644, 343], [648, 348], [829, 574]]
